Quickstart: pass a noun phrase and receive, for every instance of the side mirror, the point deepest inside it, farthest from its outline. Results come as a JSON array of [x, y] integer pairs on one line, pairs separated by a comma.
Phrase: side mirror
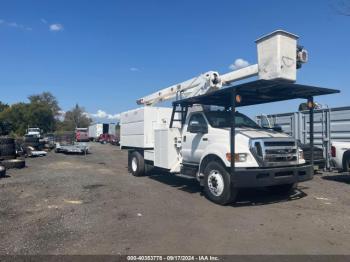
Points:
[[196, 127]]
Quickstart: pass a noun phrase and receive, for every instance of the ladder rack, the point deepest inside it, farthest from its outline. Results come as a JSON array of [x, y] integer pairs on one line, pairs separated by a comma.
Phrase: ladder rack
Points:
[[182, 112]]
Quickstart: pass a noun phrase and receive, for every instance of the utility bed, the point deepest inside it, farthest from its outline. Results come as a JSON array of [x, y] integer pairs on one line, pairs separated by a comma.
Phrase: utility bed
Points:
[[138, 125]]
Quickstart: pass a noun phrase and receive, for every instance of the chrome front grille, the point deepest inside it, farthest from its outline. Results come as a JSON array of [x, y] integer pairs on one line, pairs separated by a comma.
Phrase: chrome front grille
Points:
[[275, 151]]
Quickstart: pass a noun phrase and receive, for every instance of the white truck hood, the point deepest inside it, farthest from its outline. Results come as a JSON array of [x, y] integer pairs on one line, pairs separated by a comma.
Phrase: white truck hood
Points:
[[256, 133]]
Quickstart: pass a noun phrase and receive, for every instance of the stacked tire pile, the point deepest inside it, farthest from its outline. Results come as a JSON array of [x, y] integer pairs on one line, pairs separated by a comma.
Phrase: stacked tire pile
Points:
[[8, 155]]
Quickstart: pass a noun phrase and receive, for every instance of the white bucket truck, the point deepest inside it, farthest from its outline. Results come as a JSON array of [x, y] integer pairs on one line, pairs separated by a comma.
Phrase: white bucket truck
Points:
[[205, 137]]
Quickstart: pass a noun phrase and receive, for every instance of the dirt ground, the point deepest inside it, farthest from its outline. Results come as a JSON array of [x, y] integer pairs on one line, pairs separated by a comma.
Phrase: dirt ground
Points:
[[64, 204]]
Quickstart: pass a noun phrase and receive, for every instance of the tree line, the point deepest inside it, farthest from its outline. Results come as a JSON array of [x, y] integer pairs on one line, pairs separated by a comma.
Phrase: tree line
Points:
[[42, 111]]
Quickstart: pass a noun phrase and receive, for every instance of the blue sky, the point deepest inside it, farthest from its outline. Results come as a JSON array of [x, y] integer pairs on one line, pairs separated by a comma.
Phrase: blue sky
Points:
[[106, 54]]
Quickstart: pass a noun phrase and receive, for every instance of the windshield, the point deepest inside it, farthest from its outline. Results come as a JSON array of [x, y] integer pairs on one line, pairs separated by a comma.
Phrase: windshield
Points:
[[221, 119], [33, 129]]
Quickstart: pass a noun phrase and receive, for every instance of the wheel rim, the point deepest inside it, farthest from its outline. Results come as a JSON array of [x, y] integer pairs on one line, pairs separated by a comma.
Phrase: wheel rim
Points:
[[215, 183], [134, 164]]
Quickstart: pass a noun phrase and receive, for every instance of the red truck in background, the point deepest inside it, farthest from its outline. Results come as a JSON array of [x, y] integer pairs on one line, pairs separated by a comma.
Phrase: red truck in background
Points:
[[108, 138], [81, 135]]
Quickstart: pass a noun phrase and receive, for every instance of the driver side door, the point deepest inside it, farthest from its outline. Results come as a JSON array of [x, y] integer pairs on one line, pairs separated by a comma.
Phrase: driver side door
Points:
[[194, 143]]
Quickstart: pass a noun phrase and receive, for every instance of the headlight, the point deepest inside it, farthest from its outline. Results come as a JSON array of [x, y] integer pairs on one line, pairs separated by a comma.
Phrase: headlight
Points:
[[301, 154], [239, 157]]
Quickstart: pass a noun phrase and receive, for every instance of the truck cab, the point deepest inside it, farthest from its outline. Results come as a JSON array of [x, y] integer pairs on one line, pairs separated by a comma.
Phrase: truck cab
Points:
[[263, 158], [207, 133]]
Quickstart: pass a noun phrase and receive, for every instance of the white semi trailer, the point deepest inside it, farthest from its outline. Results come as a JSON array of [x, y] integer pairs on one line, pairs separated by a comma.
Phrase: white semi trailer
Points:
[[97, 129], [222, 148]]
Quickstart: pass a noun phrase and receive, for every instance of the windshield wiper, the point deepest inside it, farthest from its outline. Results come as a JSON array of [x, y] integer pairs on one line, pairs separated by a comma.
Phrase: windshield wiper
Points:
[[243, 125]]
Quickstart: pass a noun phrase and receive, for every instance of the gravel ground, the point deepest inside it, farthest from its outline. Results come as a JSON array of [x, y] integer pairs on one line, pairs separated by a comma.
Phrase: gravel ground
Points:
[[65, 204]]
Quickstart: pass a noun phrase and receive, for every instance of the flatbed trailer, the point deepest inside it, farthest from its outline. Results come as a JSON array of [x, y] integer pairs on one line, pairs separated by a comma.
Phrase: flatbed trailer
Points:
[[75, 148]]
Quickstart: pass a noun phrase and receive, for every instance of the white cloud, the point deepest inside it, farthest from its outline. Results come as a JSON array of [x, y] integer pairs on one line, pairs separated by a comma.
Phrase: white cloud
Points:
[[14, 25], [134, 69], [61, 115], [114, 117], [238, 64], [56, 27], [100, 114], [103, 115]]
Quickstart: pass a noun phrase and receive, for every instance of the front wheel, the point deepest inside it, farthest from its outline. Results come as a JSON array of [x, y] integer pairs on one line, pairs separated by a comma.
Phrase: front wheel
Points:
[[217, 184], [137, 164]]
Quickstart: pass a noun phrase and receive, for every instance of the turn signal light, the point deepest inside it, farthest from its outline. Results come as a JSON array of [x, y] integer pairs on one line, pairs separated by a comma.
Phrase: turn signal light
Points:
[[238, 99], [239, 157]]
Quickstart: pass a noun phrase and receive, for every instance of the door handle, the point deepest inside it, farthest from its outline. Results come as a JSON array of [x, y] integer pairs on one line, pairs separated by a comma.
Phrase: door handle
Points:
[[205, 139]]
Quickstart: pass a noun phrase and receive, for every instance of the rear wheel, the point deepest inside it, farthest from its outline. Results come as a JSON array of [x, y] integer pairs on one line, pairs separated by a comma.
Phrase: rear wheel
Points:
[[137, 164], [217, 184]]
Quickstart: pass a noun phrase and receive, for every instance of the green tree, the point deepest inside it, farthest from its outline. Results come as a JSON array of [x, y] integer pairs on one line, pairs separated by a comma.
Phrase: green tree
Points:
[[41, 115], [76, 117], [48, 99], [17, 117], [20, 116], [3, 106]]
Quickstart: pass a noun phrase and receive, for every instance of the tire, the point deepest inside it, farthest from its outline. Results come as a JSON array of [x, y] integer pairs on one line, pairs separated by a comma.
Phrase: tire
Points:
[[285, 189], [217, 184], [13, 163], [6, 141], [346, 162], [137, 164], [7, 150], [2, 171]]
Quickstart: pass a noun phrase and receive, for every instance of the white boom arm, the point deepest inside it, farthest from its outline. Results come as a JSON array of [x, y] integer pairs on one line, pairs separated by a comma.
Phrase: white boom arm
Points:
[[278, 58], [195, 86]]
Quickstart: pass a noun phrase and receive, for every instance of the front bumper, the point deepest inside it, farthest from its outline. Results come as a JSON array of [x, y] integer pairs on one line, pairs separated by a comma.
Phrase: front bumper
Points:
[[262, 177]]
